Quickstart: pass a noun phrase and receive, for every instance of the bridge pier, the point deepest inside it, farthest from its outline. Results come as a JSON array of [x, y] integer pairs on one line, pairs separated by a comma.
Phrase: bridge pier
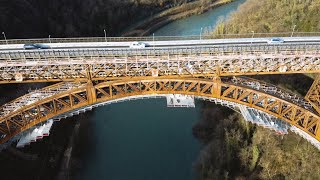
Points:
[[216, 89], [91, 93]]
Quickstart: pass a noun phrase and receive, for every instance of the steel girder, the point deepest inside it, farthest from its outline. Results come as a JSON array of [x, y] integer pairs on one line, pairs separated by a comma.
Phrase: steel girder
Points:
[[89, 94], [189, 63], [313, 95]]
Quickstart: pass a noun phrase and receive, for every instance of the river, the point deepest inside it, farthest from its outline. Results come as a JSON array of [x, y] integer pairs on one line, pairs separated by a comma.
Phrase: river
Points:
[[193, 24], [143, 139]]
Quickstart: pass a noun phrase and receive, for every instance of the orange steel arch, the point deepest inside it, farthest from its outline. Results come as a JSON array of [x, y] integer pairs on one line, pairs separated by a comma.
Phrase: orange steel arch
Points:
[[90, 94]]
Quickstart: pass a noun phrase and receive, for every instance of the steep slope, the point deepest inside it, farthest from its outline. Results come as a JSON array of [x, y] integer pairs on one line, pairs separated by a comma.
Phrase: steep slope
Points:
[[259, 153], [69, 18]]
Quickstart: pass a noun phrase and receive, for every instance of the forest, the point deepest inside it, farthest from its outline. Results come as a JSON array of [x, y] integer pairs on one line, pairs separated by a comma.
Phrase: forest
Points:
[[74, 18], [236, 149], [273, 16]]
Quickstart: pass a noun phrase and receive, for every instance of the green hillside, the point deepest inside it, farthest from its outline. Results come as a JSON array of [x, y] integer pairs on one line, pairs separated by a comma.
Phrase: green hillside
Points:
[[273, 16], [236, 149], [72, 18]]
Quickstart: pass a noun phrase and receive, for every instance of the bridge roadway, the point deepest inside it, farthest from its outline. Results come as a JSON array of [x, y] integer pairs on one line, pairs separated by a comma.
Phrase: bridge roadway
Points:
[[192, 58], [126, 44]]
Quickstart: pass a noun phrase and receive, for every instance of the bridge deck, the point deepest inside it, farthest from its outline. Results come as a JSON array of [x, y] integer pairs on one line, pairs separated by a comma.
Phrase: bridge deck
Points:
[[110, 64]]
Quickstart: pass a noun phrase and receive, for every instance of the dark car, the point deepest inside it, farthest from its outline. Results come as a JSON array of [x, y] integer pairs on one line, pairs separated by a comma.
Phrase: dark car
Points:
[[42, 46], [36, 46], [29, 46]]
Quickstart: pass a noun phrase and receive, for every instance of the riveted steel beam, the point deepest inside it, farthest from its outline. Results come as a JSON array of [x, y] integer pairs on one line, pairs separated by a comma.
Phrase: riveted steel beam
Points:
[[248, 92]]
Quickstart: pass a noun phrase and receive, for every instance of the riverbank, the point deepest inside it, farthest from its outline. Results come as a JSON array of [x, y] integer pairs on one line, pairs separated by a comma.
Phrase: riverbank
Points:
[[149, 25], [264, 154]]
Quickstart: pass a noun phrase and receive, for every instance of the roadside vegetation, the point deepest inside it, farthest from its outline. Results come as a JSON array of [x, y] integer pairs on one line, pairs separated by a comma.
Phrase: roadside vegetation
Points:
[[273, 16], [236, 149]]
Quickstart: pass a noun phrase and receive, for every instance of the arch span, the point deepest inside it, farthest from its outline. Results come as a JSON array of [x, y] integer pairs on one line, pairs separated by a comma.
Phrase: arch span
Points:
[[89, 94]]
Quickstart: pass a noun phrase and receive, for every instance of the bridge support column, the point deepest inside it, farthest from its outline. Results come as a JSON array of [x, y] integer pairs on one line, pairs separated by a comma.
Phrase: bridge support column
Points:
[[313, 95], [91, 93], [216, 90]]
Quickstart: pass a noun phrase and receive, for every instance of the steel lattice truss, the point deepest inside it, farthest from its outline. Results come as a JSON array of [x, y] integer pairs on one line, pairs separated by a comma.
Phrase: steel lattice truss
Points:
[[89, 94], [313, 95], [271, 89], [36, 96], [45, 66]]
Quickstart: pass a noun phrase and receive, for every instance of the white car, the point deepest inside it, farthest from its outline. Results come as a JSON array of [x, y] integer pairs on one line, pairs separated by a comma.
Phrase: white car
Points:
[[137, 45], [275, 41]]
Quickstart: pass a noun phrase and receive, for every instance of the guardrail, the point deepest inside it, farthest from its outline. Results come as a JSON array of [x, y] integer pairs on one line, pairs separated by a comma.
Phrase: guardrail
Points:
[[157, 38], [195, 50]]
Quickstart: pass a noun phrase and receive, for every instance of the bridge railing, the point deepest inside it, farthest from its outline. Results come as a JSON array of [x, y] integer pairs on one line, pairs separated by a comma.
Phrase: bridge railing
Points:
[[213, 50], [157, 38], [265, 35]]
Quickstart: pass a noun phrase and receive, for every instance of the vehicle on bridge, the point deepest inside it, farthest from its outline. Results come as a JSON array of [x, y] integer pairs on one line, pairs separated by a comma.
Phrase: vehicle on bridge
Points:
[[36, 46], [137, 45], [275, 41]]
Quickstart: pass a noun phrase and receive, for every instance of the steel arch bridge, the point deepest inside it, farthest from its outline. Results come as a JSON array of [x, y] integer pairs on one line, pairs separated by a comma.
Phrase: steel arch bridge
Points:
[[91, 76]]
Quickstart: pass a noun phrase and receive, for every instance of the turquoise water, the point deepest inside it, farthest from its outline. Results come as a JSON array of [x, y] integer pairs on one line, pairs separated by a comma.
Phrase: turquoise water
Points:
[[192, 25], [143, 139]]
